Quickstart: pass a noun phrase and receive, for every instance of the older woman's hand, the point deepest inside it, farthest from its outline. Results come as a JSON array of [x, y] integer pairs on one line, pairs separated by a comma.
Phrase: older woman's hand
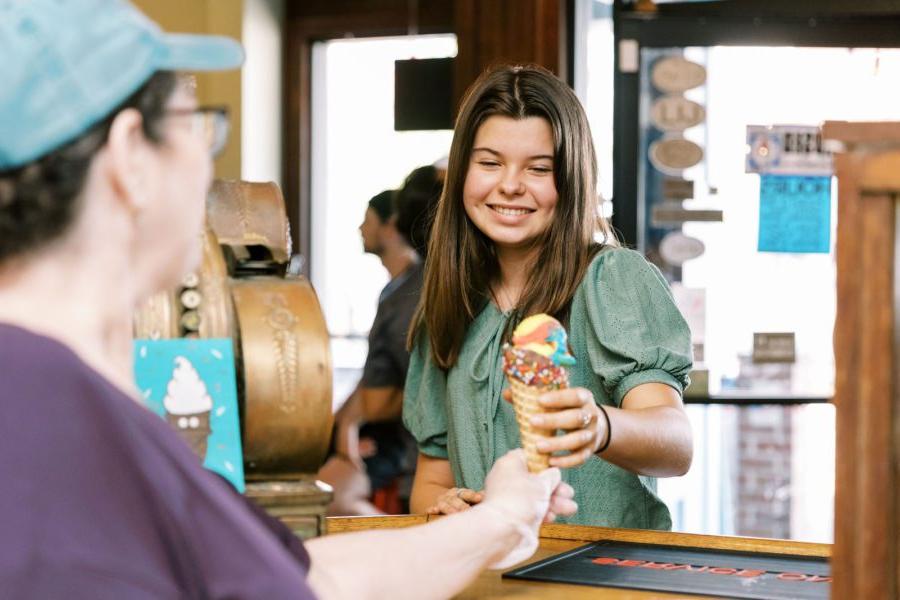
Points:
[[455, 500], [526, 500], [575, 412]]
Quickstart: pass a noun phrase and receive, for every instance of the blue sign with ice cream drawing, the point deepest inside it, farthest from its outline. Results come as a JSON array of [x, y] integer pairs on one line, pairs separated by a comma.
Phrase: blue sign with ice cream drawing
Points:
[[191, 384]]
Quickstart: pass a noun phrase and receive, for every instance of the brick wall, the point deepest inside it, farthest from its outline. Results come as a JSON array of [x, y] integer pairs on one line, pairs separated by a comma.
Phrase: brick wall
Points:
[[763, 472]]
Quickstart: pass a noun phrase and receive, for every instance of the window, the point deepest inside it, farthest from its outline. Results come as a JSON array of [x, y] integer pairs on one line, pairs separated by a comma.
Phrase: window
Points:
[[356, 154], [765, 470]]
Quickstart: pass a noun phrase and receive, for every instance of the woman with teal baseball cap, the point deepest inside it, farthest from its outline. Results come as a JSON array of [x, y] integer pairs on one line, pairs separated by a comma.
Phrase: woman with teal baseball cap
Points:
[[105, 162]]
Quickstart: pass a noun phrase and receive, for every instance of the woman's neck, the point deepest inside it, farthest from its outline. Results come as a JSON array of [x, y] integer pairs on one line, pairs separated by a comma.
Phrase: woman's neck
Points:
[[515, 269], [64, 295]]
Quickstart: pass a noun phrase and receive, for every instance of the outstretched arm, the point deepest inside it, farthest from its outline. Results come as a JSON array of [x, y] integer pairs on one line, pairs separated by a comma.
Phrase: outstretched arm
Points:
[[439, 559], [429, 561]]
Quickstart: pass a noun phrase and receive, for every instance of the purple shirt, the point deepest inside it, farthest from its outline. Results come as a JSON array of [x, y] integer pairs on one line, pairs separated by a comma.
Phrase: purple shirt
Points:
[[99, 498]]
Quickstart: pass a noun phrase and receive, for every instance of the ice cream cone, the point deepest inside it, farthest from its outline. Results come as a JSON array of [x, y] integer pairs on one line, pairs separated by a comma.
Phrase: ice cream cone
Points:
[[526, 405], [535, 364]]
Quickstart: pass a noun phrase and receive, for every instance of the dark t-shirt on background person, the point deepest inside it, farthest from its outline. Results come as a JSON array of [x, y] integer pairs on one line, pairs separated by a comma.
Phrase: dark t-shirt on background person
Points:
[[101, 499], [386, 365]]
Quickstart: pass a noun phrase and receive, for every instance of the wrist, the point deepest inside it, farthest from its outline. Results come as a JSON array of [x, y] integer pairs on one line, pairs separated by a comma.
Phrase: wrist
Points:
[[500, 527], [516, 540], [603, 443]]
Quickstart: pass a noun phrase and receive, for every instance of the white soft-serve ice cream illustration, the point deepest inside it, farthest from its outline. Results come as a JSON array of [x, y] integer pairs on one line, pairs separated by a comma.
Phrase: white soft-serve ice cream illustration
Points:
[[188, 405]]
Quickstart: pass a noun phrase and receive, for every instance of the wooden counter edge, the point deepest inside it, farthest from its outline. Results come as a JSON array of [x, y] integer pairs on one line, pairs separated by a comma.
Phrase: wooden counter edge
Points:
[[593, 534], [348, 524]]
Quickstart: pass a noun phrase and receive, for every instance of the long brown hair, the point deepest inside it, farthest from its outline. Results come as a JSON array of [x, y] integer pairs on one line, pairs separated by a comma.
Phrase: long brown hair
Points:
[[462, 261]]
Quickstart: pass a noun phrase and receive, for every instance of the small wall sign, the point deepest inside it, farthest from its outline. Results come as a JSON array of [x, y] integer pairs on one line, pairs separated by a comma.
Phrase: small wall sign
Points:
[[677, 189], [674, 74], [787, 150], [672, 155], [191, 384], [676, 113], [794, 214], [773, 348], [677, 248], [667, 214]]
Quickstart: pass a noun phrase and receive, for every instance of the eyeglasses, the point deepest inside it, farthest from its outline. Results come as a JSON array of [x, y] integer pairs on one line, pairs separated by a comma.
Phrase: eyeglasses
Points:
[[209, 122]]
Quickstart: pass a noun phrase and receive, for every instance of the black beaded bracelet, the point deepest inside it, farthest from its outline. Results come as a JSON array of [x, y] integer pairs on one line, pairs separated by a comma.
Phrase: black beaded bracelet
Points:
[[608, 429]]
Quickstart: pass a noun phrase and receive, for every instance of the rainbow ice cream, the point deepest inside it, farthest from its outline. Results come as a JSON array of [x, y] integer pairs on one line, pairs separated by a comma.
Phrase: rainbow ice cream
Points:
[[536, 363]]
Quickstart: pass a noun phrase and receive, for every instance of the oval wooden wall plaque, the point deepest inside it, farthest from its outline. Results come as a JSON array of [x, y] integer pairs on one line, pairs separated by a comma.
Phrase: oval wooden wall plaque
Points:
[[673, 155], [675, 74]]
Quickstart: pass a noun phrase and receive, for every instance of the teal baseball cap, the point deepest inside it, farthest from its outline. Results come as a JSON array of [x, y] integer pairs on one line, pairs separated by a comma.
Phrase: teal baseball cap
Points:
[[66, 64]]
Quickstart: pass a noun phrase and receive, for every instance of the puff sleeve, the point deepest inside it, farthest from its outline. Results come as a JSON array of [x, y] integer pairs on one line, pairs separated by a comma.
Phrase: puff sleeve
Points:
[[424, 396], [636, 333]]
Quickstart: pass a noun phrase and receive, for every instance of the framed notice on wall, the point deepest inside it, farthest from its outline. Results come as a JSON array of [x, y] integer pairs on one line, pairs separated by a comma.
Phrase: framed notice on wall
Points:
[[795, 214]]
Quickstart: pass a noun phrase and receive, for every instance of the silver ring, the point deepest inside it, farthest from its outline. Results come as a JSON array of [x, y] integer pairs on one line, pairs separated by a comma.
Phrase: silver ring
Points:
[[458, 492], [585, 419]]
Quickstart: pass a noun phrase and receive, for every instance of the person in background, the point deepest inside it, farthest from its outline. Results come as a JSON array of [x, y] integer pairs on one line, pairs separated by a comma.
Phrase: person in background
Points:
[[105, 163], [517, 232], [371, 471], [372, 446], [416, 202]]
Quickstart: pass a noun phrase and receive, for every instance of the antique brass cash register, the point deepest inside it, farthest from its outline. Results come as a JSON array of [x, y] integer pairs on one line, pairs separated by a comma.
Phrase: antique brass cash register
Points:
[[245, 290]]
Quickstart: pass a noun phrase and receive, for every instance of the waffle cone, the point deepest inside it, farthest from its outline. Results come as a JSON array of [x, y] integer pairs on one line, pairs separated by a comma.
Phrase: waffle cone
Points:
[[525, 402]]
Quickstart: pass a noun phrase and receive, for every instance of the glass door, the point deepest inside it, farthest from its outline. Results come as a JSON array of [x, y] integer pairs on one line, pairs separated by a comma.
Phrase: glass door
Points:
[[691, 82]]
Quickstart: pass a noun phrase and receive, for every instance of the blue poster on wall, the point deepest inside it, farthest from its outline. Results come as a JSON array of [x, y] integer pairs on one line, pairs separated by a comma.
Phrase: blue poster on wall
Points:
[[191, 384], [794, 214]]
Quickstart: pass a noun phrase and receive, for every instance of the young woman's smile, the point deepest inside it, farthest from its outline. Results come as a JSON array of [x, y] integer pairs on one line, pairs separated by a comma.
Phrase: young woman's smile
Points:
[[510, 192], [512, 212]]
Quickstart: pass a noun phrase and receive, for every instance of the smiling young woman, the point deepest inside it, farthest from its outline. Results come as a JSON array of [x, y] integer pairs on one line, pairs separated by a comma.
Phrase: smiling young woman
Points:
[[518, 232], [509, 192]]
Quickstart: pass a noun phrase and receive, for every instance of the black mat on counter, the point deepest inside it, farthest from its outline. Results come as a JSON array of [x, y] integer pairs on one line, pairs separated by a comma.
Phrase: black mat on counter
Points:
[[725, 574]]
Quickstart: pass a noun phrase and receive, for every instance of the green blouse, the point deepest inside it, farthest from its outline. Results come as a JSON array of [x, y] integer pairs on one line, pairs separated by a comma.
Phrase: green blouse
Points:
[[624, 330]]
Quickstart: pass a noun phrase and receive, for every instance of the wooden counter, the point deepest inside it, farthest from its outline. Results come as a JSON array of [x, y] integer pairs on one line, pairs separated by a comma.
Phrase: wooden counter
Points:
[[559, 538]]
